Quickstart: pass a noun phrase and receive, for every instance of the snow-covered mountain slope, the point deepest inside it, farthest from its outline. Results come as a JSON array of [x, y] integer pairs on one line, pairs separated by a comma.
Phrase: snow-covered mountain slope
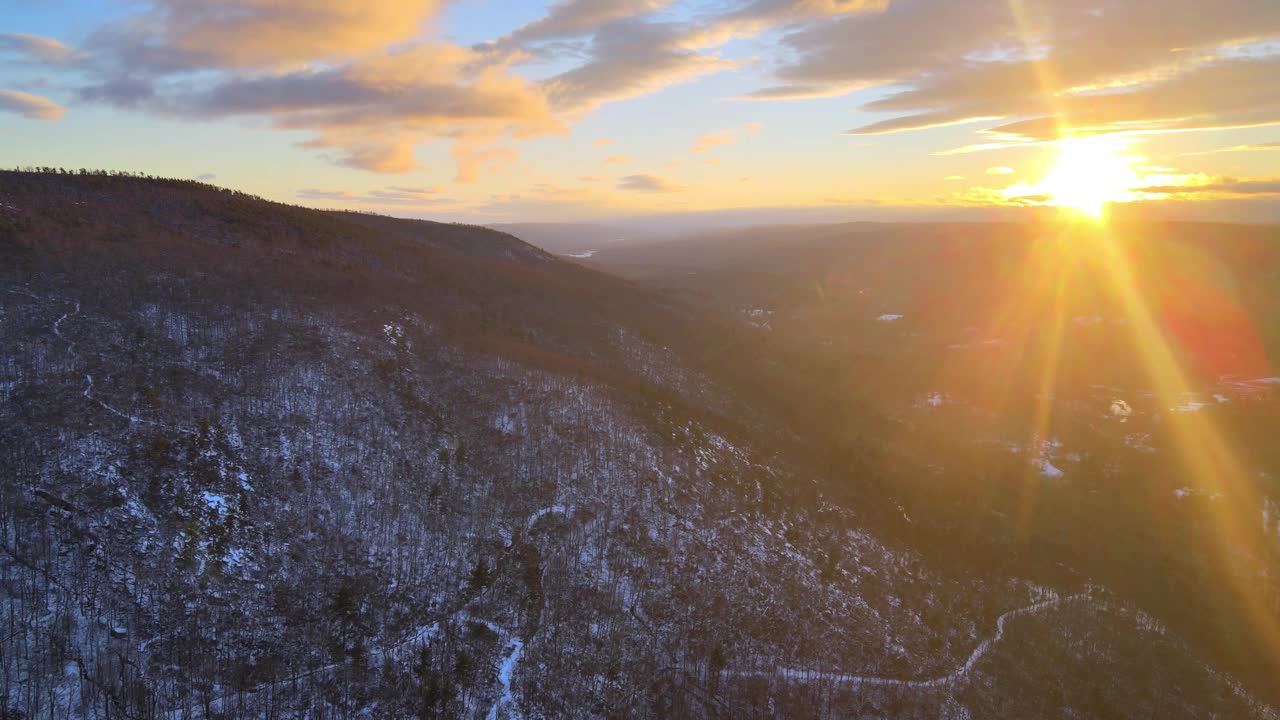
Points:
[[268, 462]]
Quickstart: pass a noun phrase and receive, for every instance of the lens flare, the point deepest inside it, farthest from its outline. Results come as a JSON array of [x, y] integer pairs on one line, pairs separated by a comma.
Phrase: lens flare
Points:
[[1088, 174]]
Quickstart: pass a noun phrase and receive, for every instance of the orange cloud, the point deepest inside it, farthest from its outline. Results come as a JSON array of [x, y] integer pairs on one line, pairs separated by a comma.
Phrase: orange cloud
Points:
[[254, 33], [617, 160], [705, 143], [30, 106], [35, 47], [372, 112]]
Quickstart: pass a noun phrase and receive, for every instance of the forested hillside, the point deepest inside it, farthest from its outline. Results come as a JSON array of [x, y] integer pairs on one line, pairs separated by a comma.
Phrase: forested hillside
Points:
[[260, 461]]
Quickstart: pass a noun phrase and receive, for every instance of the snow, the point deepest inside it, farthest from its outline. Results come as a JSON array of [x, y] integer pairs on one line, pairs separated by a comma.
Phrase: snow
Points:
[[514, 648], [538, 514], [993, 342], [215, 502], [505, 672], [1188, 406], [933, 399], [889, 317], [1121, 409], [758, 317], [1186, 492], [582, 255], [1047, 468], [1139, 441]]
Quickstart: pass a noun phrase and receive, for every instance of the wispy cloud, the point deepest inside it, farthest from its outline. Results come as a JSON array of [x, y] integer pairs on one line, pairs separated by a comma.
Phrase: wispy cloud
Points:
[[36, 48], [648, 183], [30, 106], [1218, 186], [705, 143], [1254, 147], [391, 196]]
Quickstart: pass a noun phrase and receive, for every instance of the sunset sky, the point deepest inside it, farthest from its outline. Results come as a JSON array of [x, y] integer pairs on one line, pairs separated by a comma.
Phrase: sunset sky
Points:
[[493, 110]]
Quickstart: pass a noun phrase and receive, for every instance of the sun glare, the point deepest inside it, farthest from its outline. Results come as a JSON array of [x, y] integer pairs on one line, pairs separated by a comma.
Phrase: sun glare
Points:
[[1088, 173]]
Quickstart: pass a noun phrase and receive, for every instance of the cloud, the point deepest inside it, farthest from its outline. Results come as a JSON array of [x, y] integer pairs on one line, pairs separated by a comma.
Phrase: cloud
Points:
[[571, 18], [257, 33], [1223, 93], [616, 160], [999, 170], [372, 112], [1119, 66], [206, 177], [398, 196], [592, 178], [601, 142], [648, 183], [1218, 186], [757, 16], [633, 55], [30, 106], [866, 49], [317, 194], [414, 190], [368, 87], [1253, 147], [36, 48], [355, 75], [630, 58], [705, 143]]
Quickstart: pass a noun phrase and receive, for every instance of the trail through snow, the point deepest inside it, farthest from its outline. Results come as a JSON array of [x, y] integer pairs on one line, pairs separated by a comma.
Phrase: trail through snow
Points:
[[538, 514], [951, 677], [88, 378], [513, 647]]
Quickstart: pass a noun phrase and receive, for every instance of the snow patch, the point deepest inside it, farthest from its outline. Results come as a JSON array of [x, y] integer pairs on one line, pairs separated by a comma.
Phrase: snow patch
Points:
[[889, 317], [1120, 409], [215, 502], [1047, 468]]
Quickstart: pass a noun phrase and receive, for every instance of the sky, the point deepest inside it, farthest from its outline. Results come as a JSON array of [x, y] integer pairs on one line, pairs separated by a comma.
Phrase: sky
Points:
[[592, 110]]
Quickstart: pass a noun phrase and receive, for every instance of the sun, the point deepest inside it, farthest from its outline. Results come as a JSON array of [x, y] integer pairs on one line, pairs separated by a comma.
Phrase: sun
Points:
[[1089, 173]]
